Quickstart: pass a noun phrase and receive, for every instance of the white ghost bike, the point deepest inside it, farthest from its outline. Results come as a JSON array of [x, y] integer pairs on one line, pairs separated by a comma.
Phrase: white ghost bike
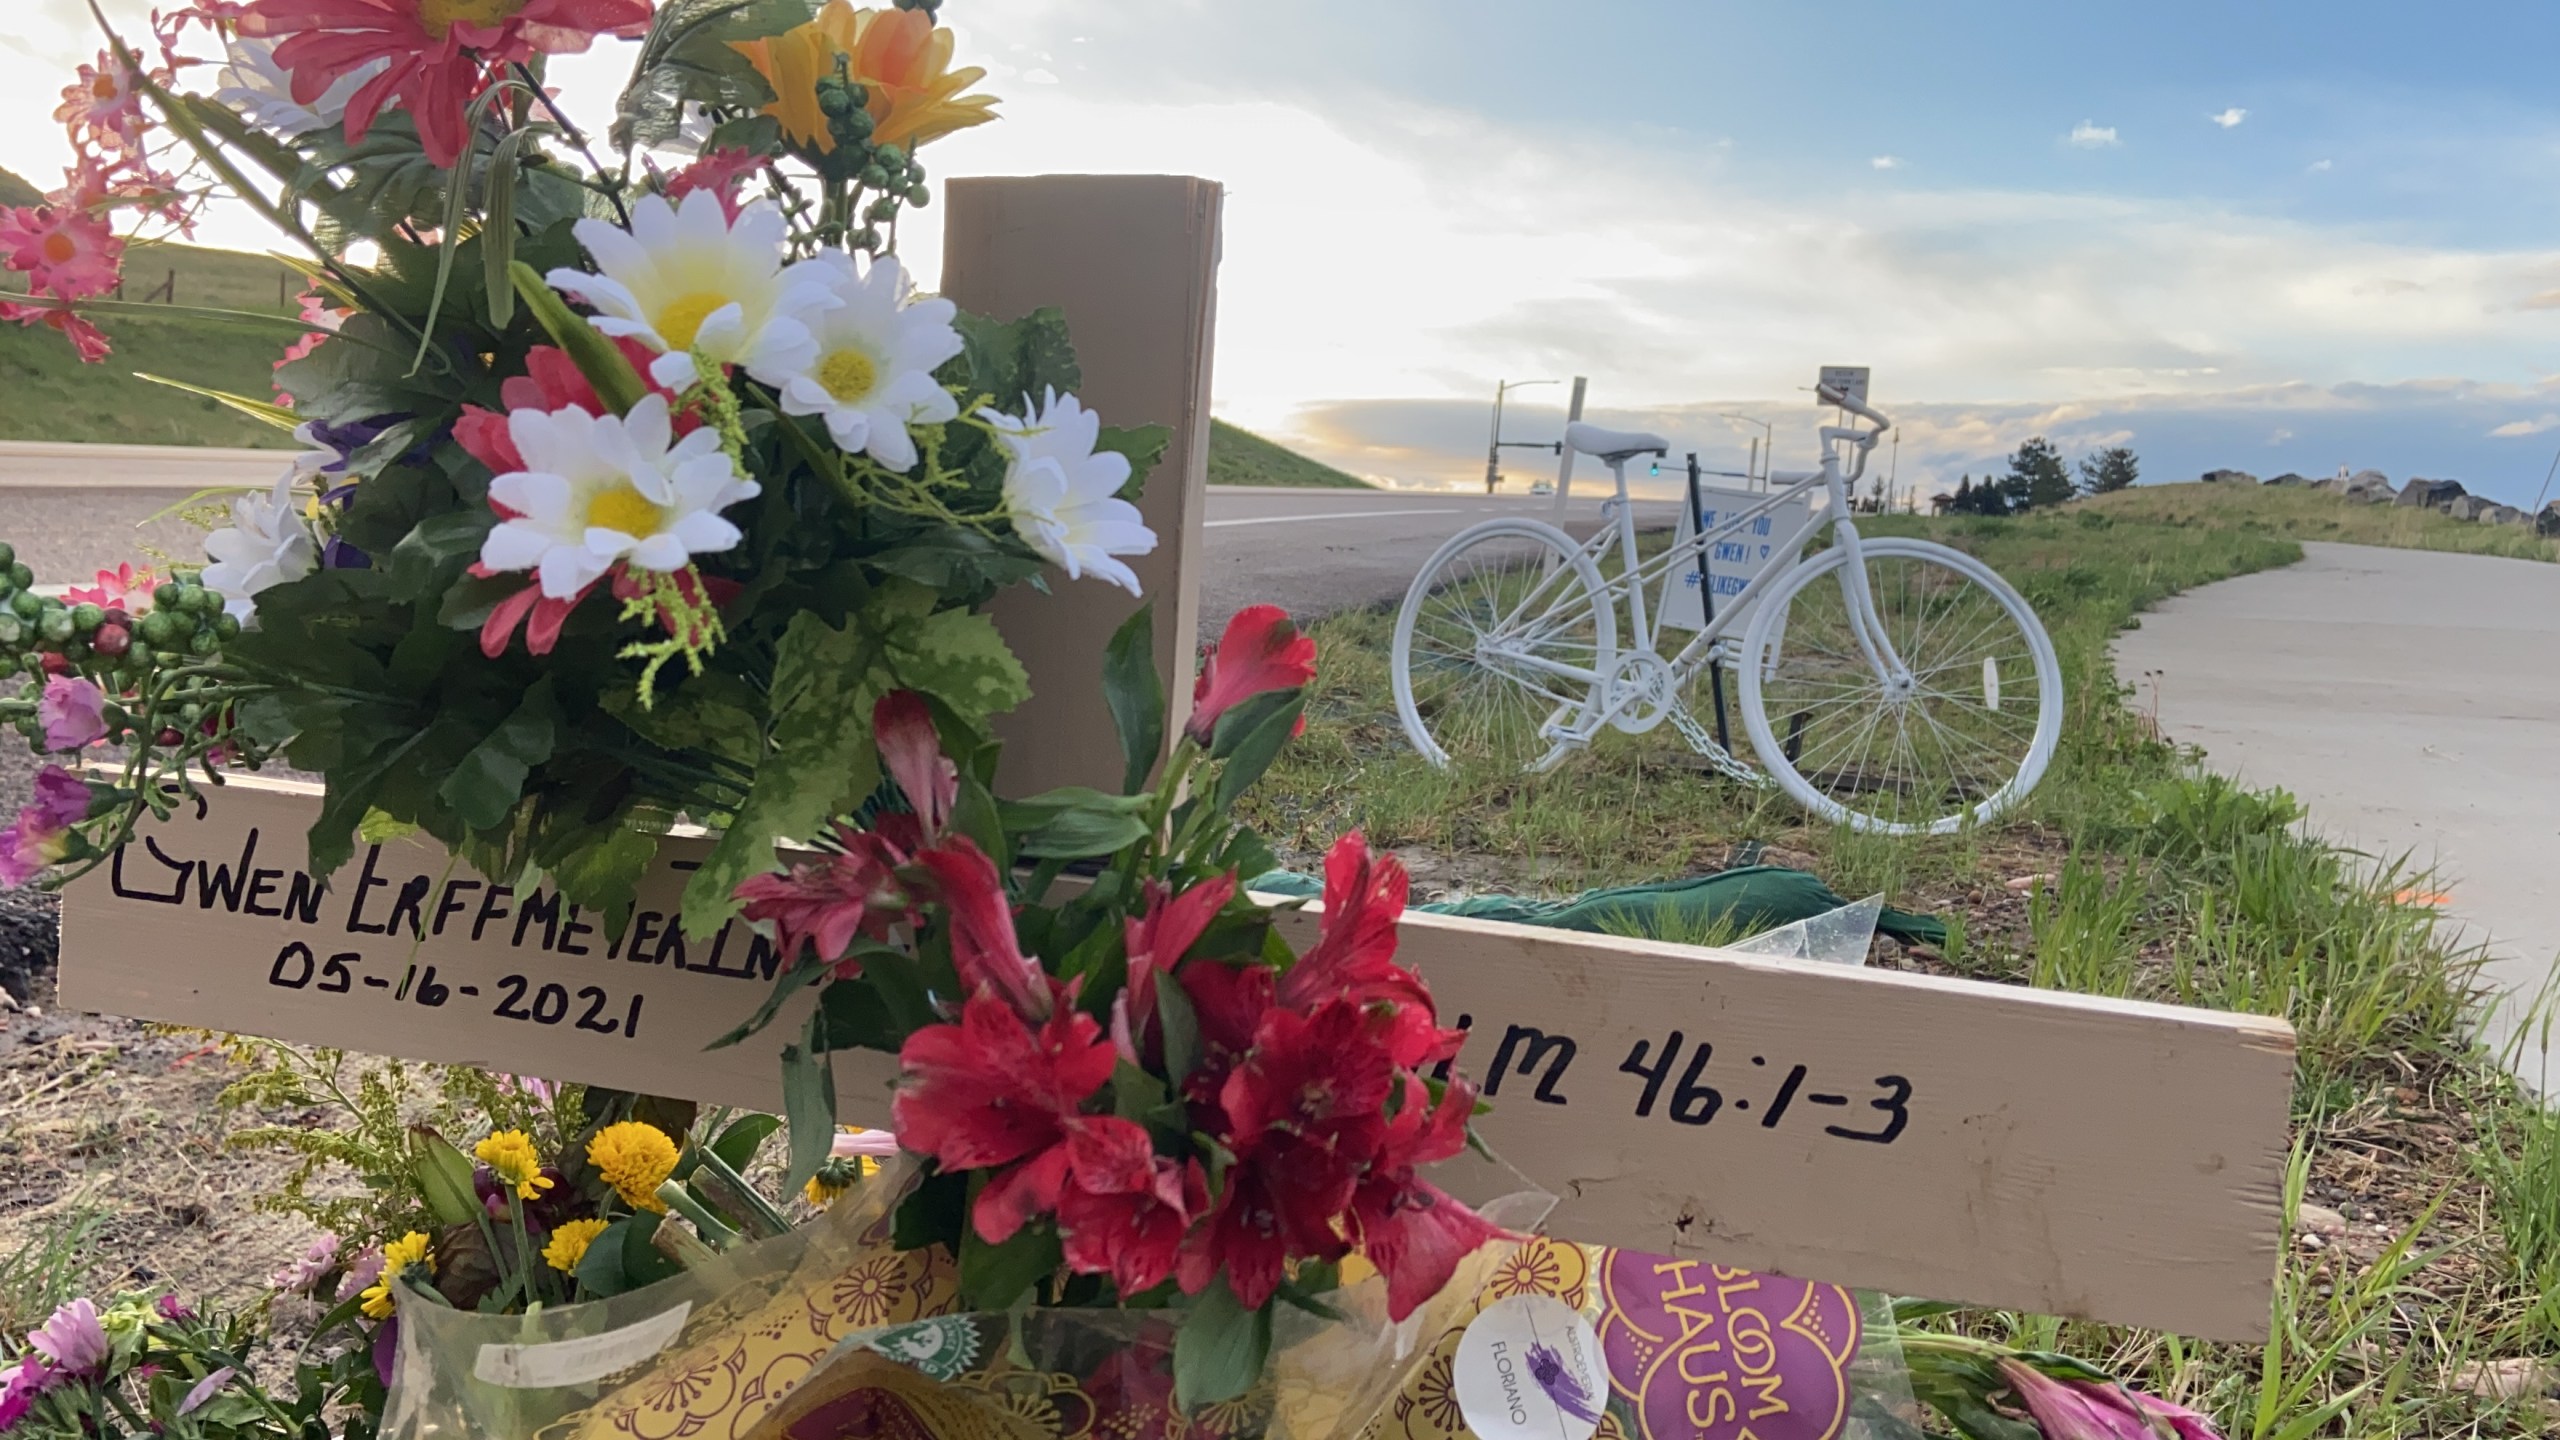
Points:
[[1891, 685]]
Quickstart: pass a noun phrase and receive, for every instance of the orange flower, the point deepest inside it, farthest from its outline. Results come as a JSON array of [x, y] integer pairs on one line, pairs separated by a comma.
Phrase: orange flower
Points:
[[899, 57]]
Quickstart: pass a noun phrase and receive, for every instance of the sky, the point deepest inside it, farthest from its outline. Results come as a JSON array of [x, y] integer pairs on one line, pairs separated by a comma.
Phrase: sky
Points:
[[2273, 236]]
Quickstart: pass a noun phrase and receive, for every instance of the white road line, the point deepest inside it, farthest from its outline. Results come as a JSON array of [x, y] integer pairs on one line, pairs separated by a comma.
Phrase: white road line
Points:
[[1329, 515]]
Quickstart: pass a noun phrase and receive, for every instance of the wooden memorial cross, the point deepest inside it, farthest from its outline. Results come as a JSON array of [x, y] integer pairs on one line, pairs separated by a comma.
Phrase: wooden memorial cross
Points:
[[2018, 1148]]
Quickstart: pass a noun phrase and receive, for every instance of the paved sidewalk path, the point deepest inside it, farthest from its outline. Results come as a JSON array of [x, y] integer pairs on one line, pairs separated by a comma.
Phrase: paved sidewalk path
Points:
[[2411, 699]]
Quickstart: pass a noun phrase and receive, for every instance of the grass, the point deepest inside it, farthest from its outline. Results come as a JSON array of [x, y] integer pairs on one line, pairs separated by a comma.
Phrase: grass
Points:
[[2432, 1250], [1237, 456], [53, 396]]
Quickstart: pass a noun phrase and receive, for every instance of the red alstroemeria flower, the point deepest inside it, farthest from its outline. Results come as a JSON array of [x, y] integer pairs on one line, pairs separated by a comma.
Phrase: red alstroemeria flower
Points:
[[1354, 955], [440, 51], [1157, 940], [828, 901], [902, 726], [1308, 1106], [984, 948], [1242, 1237], [720, 172], [1228, 1002], [63, 251], [990, 1091], [1132, 1235], [1260, 652], [1409, 1228]]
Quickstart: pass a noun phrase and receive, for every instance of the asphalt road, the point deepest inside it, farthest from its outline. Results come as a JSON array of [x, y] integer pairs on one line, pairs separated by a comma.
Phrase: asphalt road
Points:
[[2410, 699], [71, 509]]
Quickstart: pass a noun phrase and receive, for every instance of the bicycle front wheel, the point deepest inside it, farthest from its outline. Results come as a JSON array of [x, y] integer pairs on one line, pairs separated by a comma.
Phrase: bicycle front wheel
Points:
[[1961, 735], [1500, 646]]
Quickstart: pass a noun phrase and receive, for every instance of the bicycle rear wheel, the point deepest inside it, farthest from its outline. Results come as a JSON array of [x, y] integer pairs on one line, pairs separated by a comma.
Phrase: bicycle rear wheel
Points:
[[1965, 736], [1500, 644]]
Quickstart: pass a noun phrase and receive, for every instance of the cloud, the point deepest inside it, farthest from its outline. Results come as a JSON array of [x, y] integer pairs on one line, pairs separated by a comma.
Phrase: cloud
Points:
[[2281, 436], [2229, 119], [2518, 429], [2317, 167], [1887, 162], [2087, 136]]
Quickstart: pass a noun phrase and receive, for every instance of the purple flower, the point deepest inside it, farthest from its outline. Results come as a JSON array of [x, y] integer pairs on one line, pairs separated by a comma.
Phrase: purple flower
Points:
[[1562, 1385], [20, 1387], [362, 1271], [73, 712], [170, 1309], [2092, 1410], [73, 1339], [39, 836], [204, 1389], [298, 1277]]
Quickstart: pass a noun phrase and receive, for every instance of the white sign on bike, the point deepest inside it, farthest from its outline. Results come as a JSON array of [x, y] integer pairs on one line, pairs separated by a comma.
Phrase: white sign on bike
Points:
[[1732, 561]]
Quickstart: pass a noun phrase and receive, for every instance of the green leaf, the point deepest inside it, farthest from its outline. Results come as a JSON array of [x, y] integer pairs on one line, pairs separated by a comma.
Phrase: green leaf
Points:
[[809, 1101], [1221, 1348], [996, 1277], [738, 1144], [1134, 689], [935, 1214], [789, 983], [1260, 727], [1135, 1094], [1181, 1028], [498, 228], [957, 656], [858, 1017], [604, 869], [1144, 446], [1074, 822], [601, 1271], [490, 779], [430, 559], [597, 358], [1016, 362], [444, 1177], [276, 415]]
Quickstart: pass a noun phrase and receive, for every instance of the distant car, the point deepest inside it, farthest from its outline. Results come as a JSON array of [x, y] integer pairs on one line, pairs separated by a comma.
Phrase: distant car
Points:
[[1543, 487]]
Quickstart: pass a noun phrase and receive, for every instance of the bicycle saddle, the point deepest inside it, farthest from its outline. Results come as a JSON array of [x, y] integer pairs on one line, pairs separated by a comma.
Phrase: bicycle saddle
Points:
[[1613, 445]]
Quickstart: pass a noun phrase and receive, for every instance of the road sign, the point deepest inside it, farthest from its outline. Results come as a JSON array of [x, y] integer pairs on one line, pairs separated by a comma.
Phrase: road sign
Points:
[[1846, 381]]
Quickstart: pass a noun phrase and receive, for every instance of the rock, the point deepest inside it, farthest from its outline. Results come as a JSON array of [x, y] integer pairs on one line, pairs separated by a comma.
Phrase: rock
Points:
[[2229, 477], [2320, 1220], [2370, 486], [2548, 521], [2501, 515], [2334, 484], [2465, 507], [2289, 478], [2514, 1379], [2429, 494], [2369, 478]]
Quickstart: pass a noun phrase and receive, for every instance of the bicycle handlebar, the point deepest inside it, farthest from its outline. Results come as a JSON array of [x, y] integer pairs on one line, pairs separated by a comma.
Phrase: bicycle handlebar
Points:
[[1833, 397]]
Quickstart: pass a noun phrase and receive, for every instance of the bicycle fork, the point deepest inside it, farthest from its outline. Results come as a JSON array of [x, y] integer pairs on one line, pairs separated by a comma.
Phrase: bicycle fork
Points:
[[1864, 622]]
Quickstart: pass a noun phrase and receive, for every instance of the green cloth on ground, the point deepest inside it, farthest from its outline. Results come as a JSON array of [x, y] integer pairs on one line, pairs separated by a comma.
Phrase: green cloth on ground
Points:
[[1738, 902]]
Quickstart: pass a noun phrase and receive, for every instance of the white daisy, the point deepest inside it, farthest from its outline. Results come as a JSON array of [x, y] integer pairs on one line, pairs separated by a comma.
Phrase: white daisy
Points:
[[1063, 495], [686, 280], [877, 350], [597, 490], [262, 91], [266, 544]]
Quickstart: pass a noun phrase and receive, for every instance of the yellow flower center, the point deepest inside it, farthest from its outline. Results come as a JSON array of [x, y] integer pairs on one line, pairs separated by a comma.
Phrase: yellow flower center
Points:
[[442, 15], [625, 510], [60, 249], [848, 375], [682, 320]]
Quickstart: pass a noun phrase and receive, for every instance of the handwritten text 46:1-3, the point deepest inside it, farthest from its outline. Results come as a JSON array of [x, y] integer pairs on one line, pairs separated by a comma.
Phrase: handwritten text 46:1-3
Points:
[[1525, 1051]]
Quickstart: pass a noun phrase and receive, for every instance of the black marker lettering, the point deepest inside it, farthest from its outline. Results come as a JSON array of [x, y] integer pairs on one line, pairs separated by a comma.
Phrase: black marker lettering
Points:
[[571, 930], [412, 901], [452, 904], [262, 882], [178, 892], [223, 881], [538, 906], [1534, 1043], [491, 908], [364, 882], [1893, 1105]]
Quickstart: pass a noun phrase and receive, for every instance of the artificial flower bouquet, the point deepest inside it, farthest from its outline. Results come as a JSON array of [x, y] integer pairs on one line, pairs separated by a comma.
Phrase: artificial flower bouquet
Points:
[[635, 470]]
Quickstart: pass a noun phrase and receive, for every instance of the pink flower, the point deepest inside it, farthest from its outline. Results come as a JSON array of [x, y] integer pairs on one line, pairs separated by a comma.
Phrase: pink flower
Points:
[[41, 833], [902, 726], [105, 102], [73, 712], [863, 1145], [827, 902], [204, 1390], [362, 1272], [984, 948], [299, 1277], [2090, 1410], [87, 339], [170, 1307], [65, 252], [19, 1387], [720, 172], [440, 52], [1260, 652], [123, 588], [74, 1339]]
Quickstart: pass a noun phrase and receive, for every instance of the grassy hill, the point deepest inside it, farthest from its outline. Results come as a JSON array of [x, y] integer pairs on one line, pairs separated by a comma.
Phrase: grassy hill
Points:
[[2300, 513], [1239, 457], [52, 396], [14, 190]]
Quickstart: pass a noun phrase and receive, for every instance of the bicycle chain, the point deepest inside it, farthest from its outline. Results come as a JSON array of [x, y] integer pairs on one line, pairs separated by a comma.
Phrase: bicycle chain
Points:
[[1705, 744]]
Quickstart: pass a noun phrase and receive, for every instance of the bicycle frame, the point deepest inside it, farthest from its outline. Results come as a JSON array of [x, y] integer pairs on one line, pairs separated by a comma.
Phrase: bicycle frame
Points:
[[1637, 577]]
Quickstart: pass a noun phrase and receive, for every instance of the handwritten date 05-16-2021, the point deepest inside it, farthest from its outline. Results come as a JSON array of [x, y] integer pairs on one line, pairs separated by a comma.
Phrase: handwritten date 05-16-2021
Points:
[[519, 997], [1682, 1092]]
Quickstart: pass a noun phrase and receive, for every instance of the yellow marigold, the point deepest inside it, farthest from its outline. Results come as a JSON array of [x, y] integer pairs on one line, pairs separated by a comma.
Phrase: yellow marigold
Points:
[[569, 1245], [408, 1252], [834, 1177], [635, 1158], [510, 1156], [900, 58]]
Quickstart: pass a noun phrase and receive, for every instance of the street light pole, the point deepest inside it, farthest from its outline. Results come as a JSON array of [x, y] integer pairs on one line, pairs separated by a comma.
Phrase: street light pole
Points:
[[1493, 446], [1768, 441]]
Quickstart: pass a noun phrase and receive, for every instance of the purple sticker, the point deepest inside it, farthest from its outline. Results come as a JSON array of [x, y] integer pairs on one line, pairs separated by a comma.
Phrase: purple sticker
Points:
[[1718, 1354]]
